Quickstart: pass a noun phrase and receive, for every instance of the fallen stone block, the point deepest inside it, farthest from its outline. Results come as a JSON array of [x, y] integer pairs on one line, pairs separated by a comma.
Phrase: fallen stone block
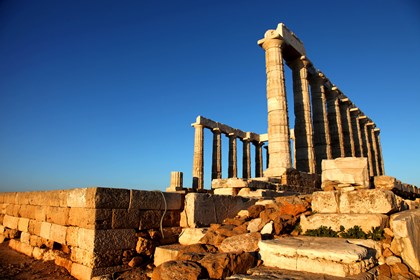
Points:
[[166, 253], [191, 235], [229, 183], [365, 221], [226, 191], [247, 242], [222, 265], [326, 202], [247, 192], [348, 170], [315, 255], [178, 270], [406, 228], [202, 209]]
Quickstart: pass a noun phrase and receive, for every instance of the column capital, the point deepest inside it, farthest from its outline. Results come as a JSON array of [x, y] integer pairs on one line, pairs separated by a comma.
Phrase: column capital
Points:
[[216, 130], [345, 100], [272, 39], [198, 125], [370, 123], [378, 130], [355, 110]]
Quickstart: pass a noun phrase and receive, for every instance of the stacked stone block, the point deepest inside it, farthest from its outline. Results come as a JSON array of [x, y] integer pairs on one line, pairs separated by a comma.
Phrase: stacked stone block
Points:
[[89, 231]]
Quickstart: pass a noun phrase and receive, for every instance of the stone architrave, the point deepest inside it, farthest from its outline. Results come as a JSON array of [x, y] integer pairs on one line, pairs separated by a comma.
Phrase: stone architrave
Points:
[[216, 168], [305, 159], [358, 150], [198, 162], [278, 121], [334, 122], [246, 158], [233, 163], [321, 137], [347, 127]]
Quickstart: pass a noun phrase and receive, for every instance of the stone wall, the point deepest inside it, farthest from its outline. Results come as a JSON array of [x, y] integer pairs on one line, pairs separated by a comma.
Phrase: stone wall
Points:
[[89, 231]]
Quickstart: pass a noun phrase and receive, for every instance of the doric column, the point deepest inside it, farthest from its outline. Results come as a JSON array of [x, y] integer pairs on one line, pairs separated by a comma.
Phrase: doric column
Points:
[[321, 137], [198, 162], [358, 150], [368, 127], [258, 159], [278, 121], [334, 122], [363, 145], [293, 141], [375, 152], [347, 128], [216, 167], [233, 163], [305, 159], [176, 182], [381, 159], [246, 158], [267, 157]]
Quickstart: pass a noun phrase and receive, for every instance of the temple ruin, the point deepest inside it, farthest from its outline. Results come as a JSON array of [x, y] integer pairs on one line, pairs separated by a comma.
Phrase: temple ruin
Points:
[[323, 206], [328, 125]]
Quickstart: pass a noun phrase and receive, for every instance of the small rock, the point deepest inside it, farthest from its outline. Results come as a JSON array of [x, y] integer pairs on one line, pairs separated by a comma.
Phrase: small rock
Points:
[[222, 265], [145, 246], [387, 253], [136, 261], [392, 260], [400, 269], [268, 228], [254, 225], [178, 270], [255, 210], [241, 243], [384, 270]]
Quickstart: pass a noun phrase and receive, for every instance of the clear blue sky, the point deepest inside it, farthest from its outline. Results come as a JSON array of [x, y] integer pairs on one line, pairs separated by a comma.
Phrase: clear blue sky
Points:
[[102, 93]]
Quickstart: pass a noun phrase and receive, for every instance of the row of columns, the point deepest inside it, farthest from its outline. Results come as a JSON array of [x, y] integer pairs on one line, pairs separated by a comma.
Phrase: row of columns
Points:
[[327, 124], [198, 161]]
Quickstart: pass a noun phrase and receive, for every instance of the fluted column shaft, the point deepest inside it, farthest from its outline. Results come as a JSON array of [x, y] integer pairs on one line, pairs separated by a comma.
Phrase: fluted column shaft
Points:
[[369, 149], [278, 122], [375, 152], [233, 164], [347, 128], [354, 112], [381, 159], [246, 159], [321, 137], [334, 122], [198, 161], [362, 122], [216, 168], [258, 159], [305, 159]]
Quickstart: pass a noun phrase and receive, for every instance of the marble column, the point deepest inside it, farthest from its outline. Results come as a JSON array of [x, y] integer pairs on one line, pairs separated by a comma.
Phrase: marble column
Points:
[[246, 158], [176, 182], [380, 156], [334, 122], [305, 158], [321, 137], [258, 159], [198, 162], [233, 163], [368, 127], [278, 121], [216, 168], [358, 150], [362, 120], [267, 157], [293, 143], [347, 127], [375, 152]]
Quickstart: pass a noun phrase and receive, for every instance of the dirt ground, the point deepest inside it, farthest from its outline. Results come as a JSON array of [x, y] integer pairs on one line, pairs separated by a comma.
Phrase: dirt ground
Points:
[[14, 265]]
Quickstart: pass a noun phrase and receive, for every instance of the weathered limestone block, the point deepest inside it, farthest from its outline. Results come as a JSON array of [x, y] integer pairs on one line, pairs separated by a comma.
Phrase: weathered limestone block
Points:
[[72, 236], [155, 200], [91, 259], [25, 237], [106, 240], [125, 218], [201, 210], [150, 219], [45, 230], [82, 272], [368, 201], [226, 191], [365, 221], [23, 248], [186, 270], [90, 218], [387, 183], [40, 213], [247, 192], [57, 215], [315, 255], [247, 242], [190, 236], [34, 227], [63, 261], [98, 197], [10, 222], [325, 202], [58, 233], [406, 228], [9, 197], [229, 183], [13, 210], [349, 170], [166, 253]]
